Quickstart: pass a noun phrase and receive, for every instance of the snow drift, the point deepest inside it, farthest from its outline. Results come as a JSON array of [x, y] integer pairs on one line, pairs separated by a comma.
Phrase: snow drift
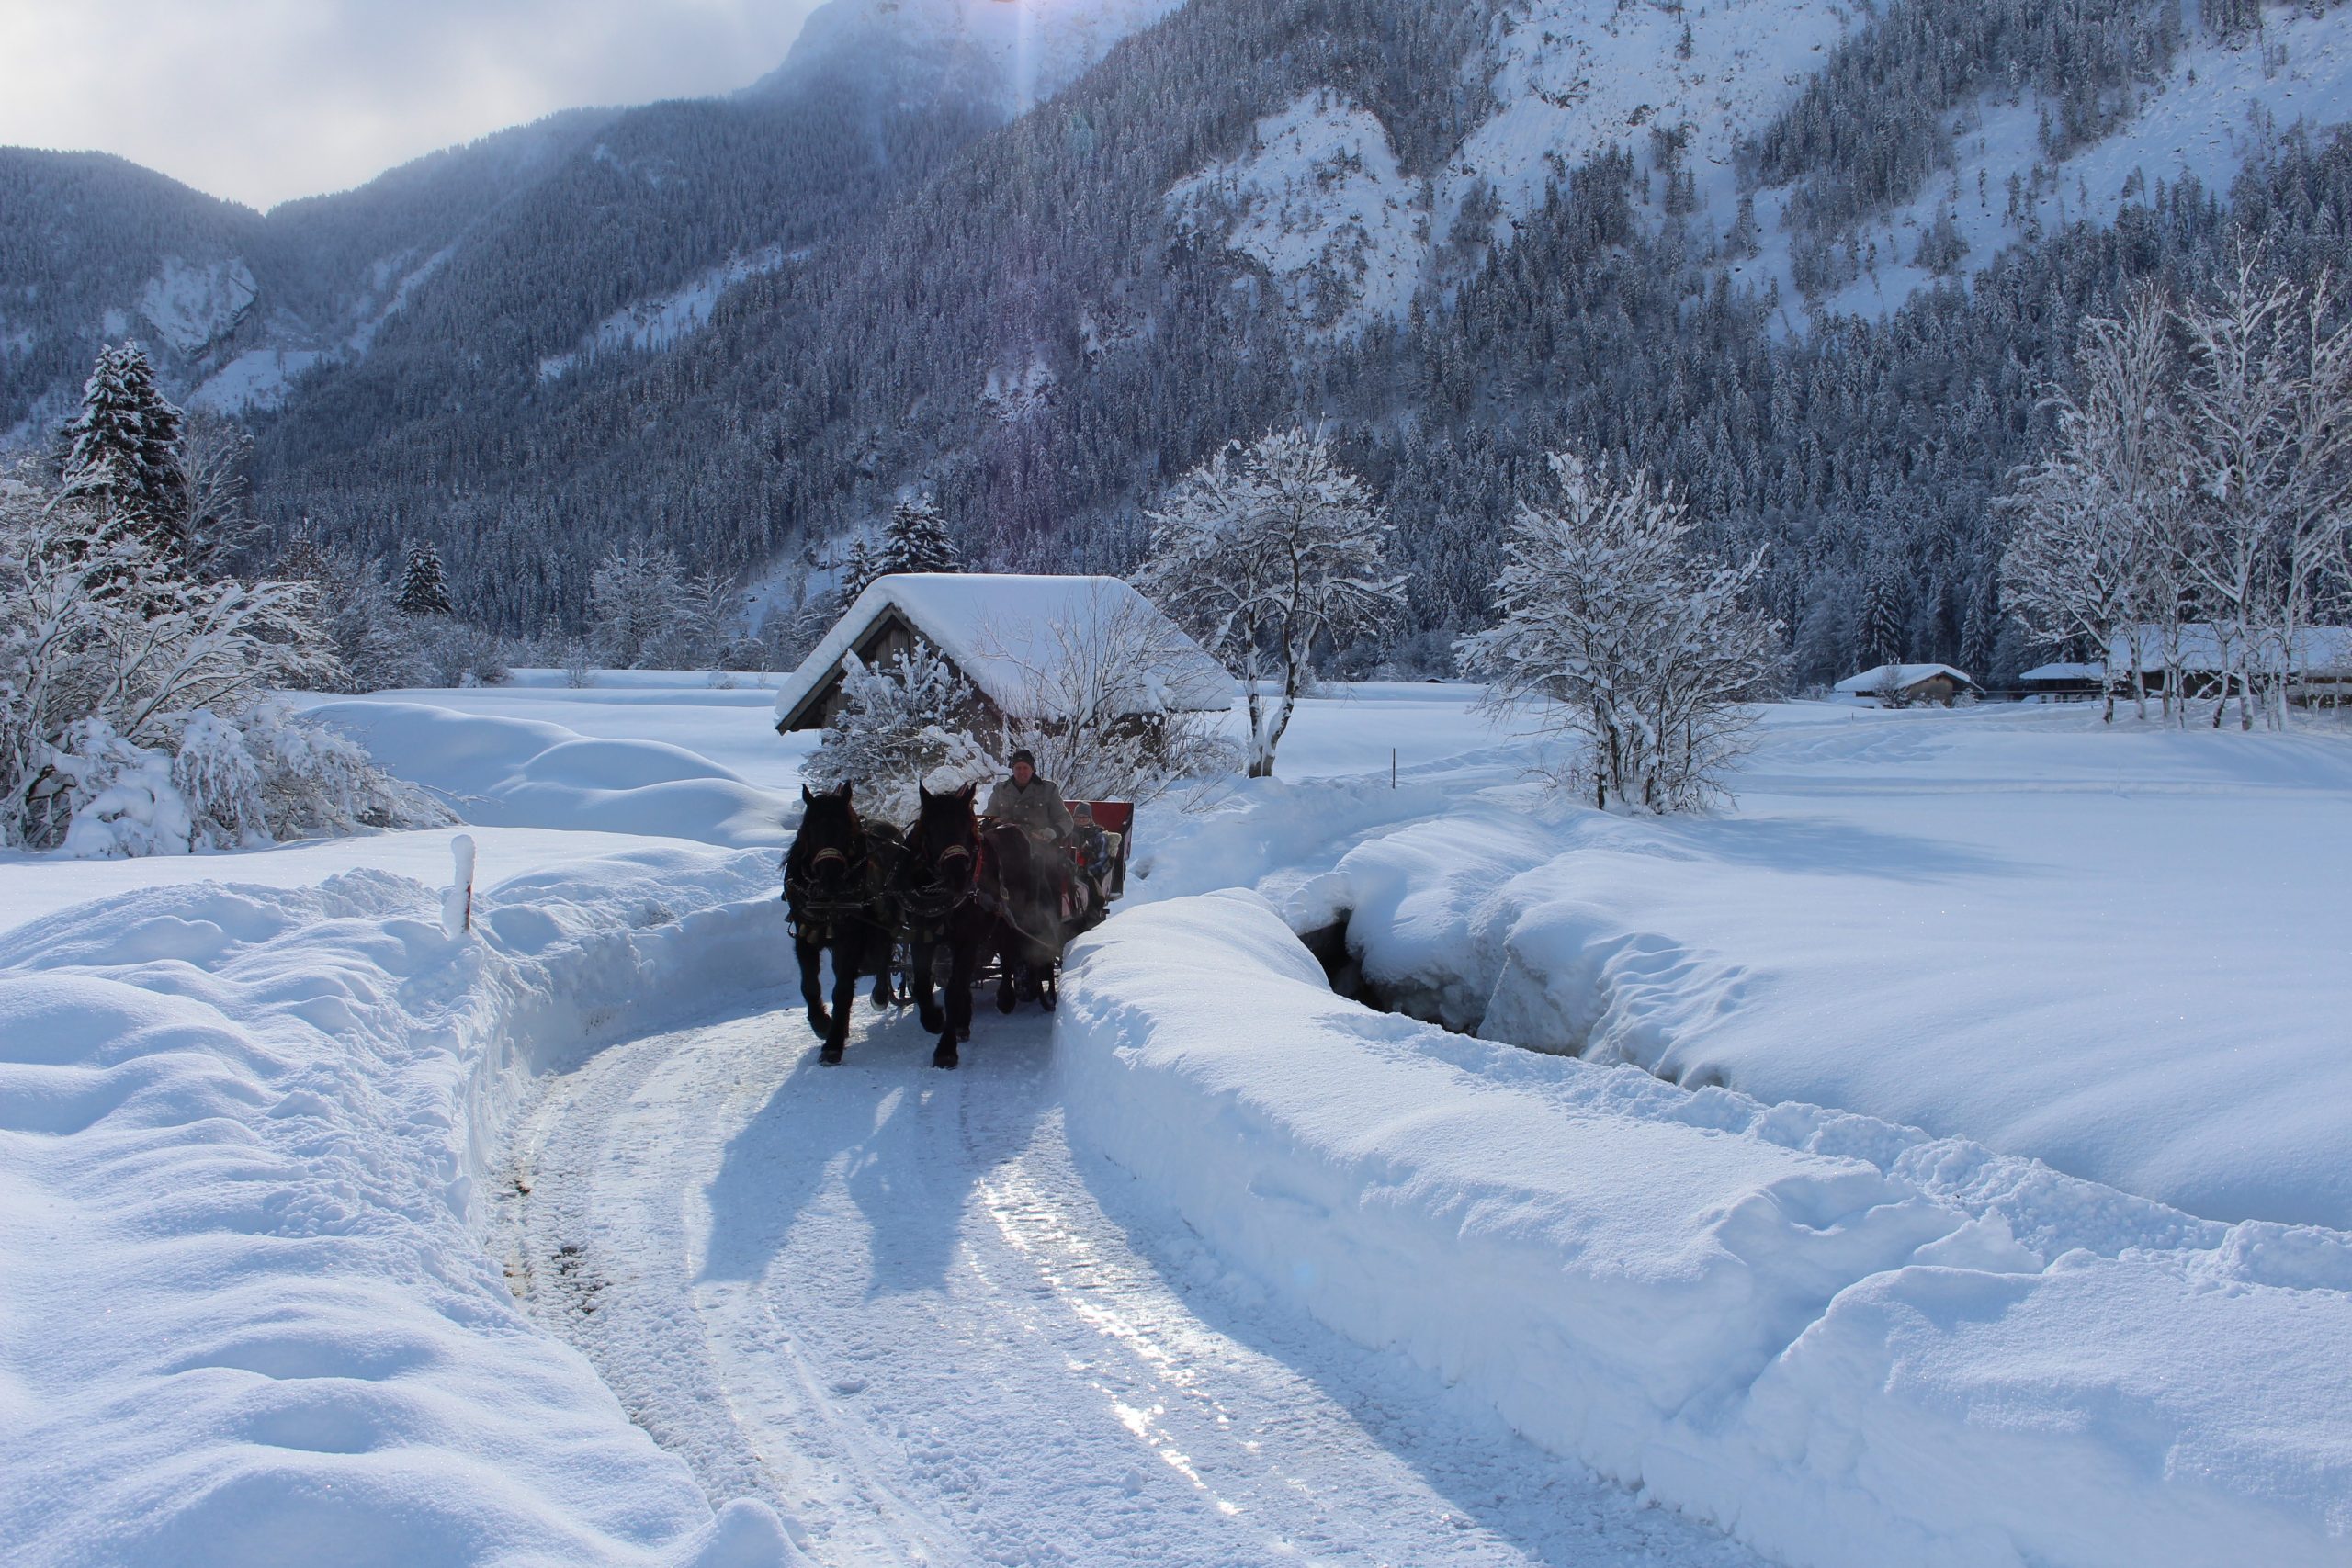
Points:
[[521, 773], [1845, 1341], [249, 1316]]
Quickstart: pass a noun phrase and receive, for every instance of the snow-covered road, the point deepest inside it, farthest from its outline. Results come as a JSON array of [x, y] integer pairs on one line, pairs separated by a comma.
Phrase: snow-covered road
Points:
[[897, 1303]]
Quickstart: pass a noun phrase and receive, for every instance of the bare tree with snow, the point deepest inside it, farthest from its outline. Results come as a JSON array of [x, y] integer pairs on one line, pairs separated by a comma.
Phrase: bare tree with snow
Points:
[[2099, 519], [1643, 652], [1273, 555], [2269, 403], [2196, 504], [1096, 706], [637, 607]]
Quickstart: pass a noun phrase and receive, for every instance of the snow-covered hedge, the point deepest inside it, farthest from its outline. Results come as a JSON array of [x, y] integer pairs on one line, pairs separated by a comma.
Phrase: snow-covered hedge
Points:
[[249, 1316], [1845, 1342]]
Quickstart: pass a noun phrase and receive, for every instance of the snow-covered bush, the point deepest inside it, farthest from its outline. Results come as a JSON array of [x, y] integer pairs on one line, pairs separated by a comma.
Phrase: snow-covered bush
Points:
[[903, 723], [108, 797], [1272, 556], [1642, 652], [217, 778], [217, 783], [459, 653], [132, 697]]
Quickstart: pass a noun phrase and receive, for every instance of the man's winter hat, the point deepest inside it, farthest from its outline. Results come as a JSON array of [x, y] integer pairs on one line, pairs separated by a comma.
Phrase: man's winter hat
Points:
[[1025, 755]]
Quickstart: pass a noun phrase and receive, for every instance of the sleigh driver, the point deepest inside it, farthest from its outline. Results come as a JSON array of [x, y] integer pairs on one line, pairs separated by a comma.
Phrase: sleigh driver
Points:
[[1034, 802]]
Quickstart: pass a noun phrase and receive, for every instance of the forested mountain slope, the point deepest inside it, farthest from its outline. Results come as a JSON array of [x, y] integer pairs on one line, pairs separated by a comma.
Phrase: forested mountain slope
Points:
[[1815, 264]]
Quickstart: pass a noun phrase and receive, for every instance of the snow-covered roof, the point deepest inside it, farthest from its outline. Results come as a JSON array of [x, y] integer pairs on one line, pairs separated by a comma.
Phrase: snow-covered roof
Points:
[[2064, 672], [1905, 676], [2319, 650], [1013, 638]]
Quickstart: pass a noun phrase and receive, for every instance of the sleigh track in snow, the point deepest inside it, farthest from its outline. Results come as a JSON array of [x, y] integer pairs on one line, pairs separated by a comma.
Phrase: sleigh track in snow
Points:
[[896, 1302]]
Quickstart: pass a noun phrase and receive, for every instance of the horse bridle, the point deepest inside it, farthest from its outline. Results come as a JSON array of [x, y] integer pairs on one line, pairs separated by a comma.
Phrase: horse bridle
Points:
[[817, 910]]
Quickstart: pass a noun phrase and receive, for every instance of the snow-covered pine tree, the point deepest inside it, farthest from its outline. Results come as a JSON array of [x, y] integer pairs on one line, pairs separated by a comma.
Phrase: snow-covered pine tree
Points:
[[121, 460], [916, 539], [1641, 651], [1273, 555], [860, 567], [905, 722], [1881, 633], [424, 587]]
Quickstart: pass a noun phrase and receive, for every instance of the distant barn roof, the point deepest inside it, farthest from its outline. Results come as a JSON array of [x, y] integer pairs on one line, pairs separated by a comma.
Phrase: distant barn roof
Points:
[[1905, 676], [999, 630]]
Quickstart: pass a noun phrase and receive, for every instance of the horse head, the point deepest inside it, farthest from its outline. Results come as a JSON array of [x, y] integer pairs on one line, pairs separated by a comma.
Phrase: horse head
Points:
[[829, 848], [944, 847]]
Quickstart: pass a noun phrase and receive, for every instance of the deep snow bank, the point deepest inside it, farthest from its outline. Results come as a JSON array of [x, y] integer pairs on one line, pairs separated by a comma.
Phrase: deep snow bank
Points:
[[1847, 1342], [247, 1315], [523, 773], [2120, 952]]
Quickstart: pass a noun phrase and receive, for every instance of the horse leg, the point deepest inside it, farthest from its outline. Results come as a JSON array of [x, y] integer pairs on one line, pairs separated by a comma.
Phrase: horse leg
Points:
[[847, 952], [964, 957], [1007, 963], [925, 1008], [959, 1007], [812, 990]]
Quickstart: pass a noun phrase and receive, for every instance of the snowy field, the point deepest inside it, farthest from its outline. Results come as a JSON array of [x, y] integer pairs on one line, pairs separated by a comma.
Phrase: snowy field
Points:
[[1982, 1201]]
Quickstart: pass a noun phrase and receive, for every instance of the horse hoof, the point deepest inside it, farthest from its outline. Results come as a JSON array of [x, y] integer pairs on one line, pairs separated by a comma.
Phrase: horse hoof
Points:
[[1049, 1000], [964, 1032], [830, 1056], [945, 1055], [933, 1020], [1005, 1000], [820, 1021]]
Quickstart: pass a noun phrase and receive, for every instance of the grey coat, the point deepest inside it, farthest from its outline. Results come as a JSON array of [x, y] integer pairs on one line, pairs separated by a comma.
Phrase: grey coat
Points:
[[1038, 808]]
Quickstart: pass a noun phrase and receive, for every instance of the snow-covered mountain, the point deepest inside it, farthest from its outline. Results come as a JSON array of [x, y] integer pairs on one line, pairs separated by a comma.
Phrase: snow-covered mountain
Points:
[[1037, 255], [1026, 50]]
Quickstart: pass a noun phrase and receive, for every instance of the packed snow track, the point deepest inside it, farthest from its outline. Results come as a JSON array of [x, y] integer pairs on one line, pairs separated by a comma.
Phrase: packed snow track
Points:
[[897, 1303]]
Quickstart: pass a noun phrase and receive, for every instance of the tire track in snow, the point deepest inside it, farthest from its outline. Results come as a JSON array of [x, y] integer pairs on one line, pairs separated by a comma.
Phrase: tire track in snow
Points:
[[894, 1302]]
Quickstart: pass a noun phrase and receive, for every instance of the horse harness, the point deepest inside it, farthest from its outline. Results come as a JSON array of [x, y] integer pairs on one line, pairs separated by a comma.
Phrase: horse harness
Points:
[[925, 911], [819, 912]]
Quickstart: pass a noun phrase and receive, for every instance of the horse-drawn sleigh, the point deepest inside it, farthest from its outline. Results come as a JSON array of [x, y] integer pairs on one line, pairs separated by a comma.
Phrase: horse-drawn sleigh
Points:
[[955, 903]]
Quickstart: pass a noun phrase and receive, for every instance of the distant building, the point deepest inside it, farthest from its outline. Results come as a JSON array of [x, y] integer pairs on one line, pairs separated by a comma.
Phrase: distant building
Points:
[[1910, 684], [2318, 669], [2062, 681], [1029, 646]]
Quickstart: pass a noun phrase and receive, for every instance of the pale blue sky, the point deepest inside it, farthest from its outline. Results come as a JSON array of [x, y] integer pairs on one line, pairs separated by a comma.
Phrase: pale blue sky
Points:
[[262, 100]]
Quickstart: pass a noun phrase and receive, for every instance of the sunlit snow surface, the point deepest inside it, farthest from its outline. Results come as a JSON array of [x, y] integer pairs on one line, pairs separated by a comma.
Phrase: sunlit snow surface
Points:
[[282, 1253]]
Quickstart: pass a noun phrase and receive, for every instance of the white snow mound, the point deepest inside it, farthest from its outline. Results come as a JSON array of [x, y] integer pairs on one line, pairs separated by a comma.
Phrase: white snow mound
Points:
[[520, 772], [1846, 1342], [249, 1318]]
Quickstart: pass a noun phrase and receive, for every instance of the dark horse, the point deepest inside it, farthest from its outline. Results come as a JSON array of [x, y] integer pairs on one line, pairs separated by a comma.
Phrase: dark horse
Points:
[[937, 883], [1023, 886], [834, 885]]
